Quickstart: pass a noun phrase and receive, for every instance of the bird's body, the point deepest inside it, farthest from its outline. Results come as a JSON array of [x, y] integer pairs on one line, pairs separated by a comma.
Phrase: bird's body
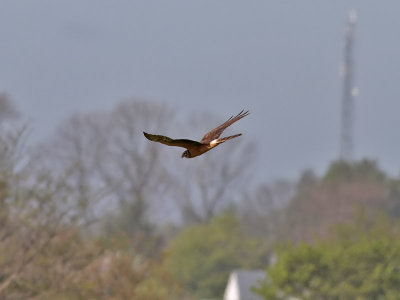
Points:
[[209, 141]]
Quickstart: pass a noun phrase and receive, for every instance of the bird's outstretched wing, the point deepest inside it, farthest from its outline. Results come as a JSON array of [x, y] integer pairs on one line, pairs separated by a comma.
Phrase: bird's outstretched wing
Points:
[[184, 143], [215, 133]]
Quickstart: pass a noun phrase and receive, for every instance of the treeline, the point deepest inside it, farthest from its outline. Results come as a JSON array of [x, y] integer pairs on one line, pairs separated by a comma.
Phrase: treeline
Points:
[[98, 212], [340, 237]]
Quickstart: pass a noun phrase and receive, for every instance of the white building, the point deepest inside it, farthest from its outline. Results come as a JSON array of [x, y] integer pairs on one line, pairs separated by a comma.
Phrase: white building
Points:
[[240, 285]]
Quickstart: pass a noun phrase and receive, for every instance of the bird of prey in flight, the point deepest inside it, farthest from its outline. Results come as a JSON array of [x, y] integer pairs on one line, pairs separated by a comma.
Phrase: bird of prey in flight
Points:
[[209, 140]]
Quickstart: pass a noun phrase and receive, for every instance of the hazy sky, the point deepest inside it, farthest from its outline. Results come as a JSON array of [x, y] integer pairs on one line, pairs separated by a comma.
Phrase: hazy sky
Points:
[[280, 59]]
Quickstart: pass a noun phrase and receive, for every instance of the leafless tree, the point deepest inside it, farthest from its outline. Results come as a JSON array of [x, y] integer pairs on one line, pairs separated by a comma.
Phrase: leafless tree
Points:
[[113, 167], [116, 169], [44, 254], [30, 220], [261, 211], [8, 110]]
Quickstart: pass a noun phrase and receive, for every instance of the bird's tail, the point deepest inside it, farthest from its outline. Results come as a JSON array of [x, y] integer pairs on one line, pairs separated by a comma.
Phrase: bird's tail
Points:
[[220, 141]]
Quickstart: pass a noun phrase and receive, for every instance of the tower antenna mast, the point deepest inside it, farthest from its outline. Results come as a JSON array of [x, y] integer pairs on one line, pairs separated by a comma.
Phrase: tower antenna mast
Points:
[[349, 91]]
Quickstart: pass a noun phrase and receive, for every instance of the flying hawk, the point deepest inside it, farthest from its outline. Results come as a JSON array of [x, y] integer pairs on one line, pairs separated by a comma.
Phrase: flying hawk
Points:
[[209, 140]]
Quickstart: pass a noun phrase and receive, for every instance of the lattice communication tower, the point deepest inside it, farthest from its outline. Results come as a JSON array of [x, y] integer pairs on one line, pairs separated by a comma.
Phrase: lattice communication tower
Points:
[[349, 91]]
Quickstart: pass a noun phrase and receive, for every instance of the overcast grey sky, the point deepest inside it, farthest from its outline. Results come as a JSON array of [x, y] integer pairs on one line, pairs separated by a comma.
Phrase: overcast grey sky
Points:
[[280, 59]]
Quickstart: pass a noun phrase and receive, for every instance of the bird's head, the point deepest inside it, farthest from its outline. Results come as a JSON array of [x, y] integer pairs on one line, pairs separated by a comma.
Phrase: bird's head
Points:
[[186, 154]]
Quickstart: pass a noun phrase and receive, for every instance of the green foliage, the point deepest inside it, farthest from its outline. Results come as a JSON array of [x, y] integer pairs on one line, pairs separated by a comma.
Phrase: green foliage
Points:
[[361, 261], [202, 256]]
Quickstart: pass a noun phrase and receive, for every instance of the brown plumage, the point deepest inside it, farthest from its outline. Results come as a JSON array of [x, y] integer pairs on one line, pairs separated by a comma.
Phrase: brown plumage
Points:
[[209, 141]]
